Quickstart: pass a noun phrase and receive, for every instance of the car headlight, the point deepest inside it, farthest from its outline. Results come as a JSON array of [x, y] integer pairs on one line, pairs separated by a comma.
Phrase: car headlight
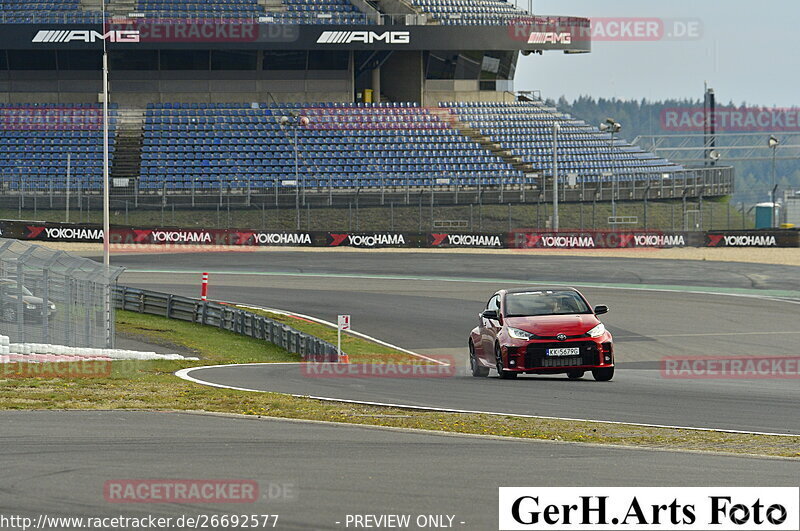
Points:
[[516, 333], [30, 306], [597, 331], [52, 306]]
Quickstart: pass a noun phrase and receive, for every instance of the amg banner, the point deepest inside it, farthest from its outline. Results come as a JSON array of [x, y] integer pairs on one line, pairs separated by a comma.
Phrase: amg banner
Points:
[[602, 239], [141, 33]]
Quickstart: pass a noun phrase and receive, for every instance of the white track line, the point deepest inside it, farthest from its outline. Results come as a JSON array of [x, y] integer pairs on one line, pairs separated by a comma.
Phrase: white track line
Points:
[[334, 326], [184, 374]]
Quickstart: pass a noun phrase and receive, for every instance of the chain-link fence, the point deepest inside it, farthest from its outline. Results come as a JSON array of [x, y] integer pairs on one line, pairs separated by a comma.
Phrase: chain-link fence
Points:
[[49, 296]]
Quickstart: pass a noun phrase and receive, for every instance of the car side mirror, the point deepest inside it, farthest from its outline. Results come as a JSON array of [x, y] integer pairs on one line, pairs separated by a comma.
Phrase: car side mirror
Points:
[[490, 314], [601, 309]]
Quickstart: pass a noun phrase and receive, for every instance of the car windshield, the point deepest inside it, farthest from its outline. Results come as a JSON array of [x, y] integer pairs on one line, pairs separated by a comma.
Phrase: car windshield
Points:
[[10, 287], [545, 302]]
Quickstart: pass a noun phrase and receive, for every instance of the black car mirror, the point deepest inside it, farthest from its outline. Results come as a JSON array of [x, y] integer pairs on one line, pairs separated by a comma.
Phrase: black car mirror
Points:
[[490, 314], [601, 309]]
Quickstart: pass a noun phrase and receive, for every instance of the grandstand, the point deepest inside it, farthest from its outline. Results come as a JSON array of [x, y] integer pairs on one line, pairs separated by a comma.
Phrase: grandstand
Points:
[[207, 98]]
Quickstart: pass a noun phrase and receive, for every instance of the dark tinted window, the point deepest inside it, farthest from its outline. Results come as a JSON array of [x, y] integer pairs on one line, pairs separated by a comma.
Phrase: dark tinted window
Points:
[[184, 60], [3, 60], [234, 59], [441, 65], [80, 60], [31, 59], [133, 60], [327, 60], [468, 65], [285, 60]]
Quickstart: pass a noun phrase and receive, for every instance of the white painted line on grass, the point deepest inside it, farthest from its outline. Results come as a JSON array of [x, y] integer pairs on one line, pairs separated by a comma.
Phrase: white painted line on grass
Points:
[[332, 325]]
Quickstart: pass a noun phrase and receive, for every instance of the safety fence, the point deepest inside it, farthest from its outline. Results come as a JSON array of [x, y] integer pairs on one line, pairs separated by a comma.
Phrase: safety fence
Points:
[[225, 239], [49, 296], [225, 317]]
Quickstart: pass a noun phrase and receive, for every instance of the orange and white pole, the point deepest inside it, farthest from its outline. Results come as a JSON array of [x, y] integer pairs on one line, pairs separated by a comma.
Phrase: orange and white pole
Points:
[[204, 288]]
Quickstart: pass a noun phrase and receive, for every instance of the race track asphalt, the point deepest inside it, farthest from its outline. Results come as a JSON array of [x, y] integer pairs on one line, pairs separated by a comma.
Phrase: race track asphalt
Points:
[[428, 303], [312, 475], [57, 462]]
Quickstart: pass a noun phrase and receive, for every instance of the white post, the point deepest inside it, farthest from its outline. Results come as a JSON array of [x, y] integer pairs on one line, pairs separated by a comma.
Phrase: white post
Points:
[[343, 323]]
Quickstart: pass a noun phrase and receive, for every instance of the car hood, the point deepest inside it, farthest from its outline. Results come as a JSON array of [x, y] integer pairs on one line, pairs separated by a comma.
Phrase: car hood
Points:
[[552, 325]]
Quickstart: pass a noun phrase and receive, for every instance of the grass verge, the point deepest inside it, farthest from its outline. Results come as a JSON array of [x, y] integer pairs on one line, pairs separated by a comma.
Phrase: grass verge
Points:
[[359, 350], [152, 386]]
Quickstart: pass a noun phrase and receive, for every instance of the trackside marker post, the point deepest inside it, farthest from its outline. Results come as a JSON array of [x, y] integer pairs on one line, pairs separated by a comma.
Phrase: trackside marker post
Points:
[[204, 288], [344, 324]]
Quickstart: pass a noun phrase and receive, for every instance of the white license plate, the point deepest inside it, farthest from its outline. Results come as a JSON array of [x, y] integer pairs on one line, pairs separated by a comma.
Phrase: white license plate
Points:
[[564, 351]]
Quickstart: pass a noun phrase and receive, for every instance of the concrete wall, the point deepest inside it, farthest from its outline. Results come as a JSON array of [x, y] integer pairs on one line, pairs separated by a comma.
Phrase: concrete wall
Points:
[[435, 94]]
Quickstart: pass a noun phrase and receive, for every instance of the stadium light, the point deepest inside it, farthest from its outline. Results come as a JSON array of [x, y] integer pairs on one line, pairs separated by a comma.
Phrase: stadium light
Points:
[[773, 144], [106, 206], [612, 126], [295, 121], [556, 131]]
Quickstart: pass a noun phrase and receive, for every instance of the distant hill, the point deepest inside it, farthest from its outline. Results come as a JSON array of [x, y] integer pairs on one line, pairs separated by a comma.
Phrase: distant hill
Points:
[[753, 179]]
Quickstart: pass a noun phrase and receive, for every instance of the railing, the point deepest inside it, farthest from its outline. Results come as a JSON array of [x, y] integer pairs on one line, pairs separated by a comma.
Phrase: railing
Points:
[[225, 317]]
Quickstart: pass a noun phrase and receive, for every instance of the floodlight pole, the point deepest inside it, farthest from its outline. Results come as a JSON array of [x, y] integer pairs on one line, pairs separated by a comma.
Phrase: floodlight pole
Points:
[[67, 198], [106, 209], [296, 177], [556, 130], [613, 179], [774, 186]]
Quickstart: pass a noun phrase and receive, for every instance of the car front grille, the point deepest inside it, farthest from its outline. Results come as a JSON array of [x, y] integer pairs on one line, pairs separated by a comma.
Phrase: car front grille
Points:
[[535, 356]]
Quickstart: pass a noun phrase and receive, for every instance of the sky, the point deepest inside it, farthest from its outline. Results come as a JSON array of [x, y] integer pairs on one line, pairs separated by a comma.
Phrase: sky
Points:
[[747, 52]]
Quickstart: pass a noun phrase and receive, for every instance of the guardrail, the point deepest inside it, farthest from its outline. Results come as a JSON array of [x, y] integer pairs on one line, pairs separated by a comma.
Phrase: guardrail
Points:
[[224, 317]]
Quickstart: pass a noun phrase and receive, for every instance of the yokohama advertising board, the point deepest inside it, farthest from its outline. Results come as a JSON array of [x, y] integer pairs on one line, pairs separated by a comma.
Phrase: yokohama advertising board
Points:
[[371, 240], [601, 239], [785, 238], [467, 240], [62, 232]]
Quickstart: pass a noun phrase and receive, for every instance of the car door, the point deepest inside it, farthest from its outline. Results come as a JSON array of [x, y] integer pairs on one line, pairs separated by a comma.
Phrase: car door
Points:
[[489, 329]]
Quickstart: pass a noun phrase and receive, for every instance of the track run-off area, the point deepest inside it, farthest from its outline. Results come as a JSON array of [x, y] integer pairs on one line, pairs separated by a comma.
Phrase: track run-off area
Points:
[[427, 303]]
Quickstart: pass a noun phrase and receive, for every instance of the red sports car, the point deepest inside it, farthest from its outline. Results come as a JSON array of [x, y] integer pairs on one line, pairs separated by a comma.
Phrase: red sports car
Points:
[[541, 331]]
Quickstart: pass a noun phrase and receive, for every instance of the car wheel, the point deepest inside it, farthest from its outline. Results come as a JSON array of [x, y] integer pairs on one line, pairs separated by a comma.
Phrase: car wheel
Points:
[[9, 314], [478, 371], [501, 372], [603, 374], [575, 375]]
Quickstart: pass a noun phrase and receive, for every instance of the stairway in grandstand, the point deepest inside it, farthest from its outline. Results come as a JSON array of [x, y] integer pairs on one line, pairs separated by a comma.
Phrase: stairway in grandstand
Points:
[[449, 117], [128, 160]]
